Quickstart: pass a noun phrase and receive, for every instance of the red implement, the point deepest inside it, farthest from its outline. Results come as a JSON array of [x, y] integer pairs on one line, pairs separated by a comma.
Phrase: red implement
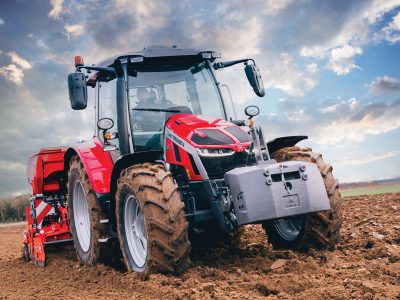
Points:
[[47, 215]]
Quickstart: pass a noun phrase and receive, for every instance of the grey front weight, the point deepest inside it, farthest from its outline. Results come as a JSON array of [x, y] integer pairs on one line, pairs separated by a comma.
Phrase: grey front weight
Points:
[[271, 191]]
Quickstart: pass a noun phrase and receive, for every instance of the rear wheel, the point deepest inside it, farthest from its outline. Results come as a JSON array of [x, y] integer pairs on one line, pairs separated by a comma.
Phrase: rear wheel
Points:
[[318, 230], [151, 222], [85, 215]]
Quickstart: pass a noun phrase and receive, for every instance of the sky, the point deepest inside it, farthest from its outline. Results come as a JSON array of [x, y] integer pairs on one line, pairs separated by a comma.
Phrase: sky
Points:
[[331, 71]]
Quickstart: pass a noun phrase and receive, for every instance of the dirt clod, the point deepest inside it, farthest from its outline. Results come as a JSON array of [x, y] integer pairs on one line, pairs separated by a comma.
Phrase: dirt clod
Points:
[[278, 264]]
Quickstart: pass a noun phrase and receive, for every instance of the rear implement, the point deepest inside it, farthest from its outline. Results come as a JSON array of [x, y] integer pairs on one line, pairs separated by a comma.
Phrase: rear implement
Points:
[[47, 215]]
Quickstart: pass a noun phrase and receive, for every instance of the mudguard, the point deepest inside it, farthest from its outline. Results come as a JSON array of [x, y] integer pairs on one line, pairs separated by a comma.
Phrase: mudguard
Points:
[[98, 164], [284, 141]]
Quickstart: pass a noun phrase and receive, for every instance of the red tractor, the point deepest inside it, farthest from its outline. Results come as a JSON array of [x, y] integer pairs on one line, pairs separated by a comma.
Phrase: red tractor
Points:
[[168, 167]]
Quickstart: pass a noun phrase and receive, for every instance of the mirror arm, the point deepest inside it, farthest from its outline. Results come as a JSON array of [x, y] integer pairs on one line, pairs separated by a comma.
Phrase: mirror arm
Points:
[[226, 64]]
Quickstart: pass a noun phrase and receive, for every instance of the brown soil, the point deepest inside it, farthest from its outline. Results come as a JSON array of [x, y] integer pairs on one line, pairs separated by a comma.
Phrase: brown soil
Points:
[[366, 265]]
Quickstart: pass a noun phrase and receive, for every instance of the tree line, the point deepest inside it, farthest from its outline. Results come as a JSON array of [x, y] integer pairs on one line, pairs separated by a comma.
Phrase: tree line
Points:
[[13, 209]]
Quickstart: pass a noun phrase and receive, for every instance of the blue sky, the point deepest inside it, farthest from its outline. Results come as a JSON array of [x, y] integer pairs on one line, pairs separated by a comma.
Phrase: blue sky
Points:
[[331, 69]]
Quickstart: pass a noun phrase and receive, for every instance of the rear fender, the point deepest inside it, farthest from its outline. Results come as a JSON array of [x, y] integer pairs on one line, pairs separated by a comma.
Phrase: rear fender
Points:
[[98, 164], [284, 141]]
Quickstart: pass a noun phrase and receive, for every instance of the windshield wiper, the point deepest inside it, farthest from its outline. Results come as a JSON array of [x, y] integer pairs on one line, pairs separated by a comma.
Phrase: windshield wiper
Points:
[[158, 109]]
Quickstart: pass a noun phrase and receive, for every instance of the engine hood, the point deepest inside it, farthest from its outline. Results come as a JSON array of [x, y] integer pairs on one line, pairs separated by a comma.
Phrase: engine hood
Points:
[[202, 132]]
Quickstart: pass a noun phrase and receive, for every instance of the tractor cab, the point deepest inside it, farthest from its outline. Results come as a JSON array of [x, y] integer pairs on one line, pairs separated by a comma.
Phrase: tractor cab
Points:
[[140, 91]]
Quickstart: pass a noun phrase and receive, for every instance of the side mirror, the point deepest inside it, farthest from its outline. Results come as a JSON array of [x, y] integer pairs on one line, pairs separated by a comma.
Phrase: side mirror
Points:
[[251, 111], [77, 90], [254, 77]]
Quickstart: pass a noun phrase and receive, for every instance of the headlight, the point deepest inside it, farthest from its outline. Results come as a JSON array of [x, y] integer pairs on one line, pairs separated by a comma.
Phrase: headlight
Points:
[[215, 152]]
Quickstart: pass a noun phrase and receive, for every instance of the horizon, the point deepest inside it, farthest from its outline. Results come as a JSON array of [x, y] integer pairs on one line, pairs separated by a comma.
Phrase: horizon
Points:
[[331, 72]]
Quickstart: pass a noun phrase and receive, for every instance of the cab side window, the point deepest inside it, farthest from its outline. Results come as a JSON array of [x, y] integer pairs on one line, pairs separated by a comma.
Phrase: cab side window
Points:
[[107, 105]]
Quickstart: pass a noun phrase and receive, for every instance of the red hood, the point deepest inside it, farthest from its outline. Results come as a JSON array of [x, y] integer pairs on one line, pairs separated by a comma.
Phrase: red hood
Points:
[[188, 125]]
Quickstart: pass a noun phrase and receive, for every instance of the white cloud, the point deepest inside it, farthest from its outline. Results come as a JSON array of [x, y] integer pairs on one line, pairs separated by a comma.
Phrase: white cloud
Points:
[[14, 72], [313, 68], [367, 159], [392, 31], [285, 74], [329, 109], [272, 7], [373, 119], [74, 31], [341, 59], [56, 9], [39, 42], [384, 84], [354, 33], [12, 166], [1, 22], [352, 103], [21, 62], [340, 108]]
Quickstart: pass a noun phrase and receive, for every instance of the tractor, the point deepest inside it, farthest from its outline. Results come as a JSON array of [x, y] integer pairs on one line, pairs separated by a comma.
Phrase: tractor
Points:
[[168, 168]]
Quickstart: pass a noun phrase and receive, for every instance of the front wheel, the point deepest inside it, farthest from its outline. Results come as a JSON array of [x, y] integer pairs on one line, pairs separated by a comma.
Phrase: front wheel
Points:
[[317, 230], [151, 222]]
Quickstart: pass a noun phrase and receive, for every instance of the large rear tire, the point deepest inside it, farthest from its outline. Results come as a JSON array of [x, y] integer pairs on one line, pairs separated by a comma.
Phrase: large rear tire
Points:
[[85, 214], [151, 222], [318, 230]]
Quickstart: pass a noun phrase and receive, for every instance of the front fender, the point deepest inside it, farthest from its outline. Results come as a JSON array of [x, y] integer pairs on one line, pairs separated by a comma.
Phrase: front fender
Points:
[[284, 141], [98, 164]]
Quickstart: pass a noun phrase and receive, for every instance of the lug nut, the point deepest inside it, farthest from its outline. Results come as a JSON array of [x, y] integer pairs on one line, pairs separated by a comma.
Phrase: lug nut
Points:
[[269, 181], [267, 173], [305, 176], [302, 168]]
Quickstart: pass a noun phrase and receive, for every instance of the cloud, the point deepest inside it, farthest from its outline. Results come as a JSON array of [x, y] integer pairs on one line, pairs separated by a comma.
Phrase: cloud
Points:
[[56, 9], [272, 7], [367, 159], [341, 37], [14, 72], [21, 62], [1, 22], [391, 32], [39, 42], [383, 85], [329, 109], [372, 119], [341, 59], [285, 74], [74, 31]]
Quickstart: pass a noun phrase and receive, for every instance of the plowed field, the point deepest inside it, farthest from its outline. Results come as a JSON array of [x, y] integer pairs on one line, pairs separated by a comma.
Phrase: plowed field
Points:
[[366, 265]]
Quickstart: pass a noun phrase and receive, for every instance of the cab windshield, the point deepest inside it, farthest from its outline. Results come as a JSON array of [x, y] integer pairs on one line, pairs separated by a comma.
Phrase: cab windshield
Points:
[[157, 92]]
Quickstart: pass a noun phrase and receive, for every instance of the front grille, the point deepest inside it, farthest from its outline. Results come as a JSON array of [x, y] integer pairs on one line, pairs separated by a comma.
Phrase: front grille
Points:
[[216, 167]]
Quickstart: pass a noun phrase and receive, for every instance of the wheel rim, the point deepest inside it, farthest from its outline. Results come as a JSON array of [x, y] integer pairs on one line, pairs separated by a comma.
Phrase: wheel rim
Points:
[[81, 216], [135, 231], [289, 228]]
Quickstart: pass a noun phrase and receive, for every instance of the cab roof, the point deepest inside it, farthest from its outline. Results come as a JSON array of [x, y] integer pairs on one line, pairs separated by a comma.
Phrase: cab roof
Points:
[[161, 52]]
